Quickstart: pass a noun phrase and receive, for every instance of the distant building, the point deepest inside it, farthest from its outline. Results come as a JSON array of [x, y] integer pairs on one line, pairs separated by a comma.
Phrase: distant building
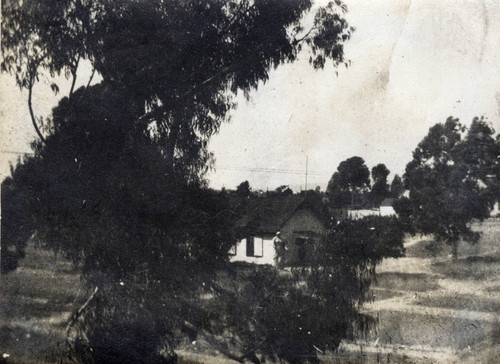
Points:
[[356, 214], [300, 222], [491, 181], [495, 211], [387, 207]]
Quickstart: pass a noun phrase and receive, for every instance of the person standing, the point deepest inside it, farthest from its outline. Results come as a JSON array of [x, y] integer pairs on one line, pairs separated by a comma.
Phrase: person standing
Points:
[[279, 249]]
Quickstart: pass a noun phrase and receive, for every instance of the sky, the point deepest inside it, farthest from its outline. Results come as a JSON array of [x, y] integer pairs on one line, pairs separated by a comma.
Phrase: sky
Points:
[[413, 64]]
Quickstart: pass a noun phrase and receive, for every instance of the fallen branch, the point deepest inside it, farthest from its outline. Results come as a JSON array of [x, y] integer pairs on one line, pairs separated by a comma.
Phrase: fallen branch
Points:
[[78, 313], [220, 347]]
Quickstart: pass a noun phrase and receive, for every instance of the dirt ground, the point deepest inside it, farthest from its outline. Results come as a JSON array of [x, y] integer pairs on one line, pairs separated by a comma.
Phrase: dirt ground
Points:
[[430, 310], [36, 301], [433, 310]]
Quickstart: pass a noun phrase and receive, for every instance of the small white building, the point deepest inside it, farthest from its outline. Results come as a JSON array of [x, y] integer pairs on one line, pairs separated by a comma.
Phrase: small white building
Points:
[[495, 211], [387, 208], [356, 214], [254, 249], [300, 223]]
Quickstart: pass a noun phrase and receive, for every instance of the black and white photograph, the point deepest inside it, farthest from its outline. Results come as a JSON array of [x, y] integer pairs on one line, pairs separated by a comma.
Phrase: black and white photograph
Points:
[[250, 181]]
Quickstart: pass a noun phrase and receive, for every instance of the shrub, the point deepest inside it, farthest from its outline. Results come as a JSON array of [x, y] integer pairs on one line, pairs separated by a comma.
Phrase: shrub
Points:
[[281, 316]]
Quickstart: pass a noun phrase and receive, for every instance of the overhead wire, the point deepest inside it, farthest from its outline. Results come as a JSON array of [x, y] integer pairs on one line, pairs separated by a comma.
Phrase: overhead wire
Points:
[[231, 168], [273, 170]]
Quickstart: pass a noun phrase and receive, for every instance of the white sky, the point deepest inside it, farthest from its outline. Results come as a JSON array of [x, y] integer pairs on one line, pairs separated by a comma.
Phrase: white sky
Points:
[[414, 63]]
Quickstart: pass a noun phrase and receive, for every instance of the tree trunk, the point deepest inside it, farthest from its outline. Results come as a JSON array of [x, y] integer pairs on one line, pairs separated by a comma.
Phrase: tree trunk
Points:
[[172, 142], [454, 251], [32, 113]]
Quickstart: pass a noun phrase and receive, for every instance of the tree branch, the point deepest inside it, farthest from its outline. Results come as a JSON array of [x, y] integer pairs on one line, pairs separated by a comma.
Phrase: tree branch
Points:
[[221, 349], [86, 87], [220, 346], [236, 17], [32, 114], [173, 135], [74, 73], [78, 313], [91, 77], [297, 41]]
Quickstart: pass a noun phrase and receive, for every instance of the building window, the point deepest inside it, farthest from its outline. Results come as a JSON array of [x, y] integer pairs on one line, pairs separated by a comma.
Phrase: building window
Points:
[[250, 247], [255, 247]]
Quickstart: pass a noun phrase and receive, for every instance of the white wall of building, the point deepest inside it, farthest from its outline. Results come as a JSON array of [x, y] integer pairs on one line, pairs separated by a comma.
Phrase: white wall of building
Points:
[[387, 211], [360, 213], [263, 251], [495, 211]]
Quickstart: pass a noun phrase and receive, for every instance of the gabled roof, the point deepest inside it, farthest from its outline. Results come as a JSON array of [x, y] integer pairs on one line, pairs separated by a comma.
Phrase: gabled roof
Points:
[[268, 214], [388, 202]]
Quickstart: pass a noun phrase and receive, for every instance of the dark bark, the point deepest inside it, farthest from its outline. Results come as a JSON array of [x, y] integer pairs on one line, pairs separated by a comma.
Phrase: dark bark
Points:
[[74, 74], [32, 113], [173, 135], [454, 251]]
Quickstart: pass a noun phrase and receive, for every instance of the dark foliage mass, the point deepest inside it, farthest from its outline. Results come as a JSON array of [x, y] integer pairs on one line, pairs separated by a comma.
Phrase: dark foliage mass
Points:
[[347, 184], [116, 182], [184, 59], [397, 187], [173, 65], [380, 187], [295, 316], [16, 228], [145, 238], [451, 180]]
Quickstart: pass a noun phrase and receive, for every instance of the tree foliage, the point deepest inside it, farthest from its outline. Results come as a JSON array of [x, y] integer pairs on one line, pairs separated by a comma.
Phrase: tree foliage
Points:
[[103, 195], [480, 152], [380, 187], [351, 178], [16, 229], [281, 317], [445, 180], [337, 196], [495, 177], [283, 190], [117, 179], [397, 187], [183, 59], [243, 190]]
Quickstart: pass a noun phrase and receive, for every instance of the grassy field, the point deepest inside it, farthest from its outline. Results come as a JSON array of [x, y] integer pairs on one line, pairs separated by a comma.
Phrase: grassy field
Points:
[[430, 310], [35, 302]]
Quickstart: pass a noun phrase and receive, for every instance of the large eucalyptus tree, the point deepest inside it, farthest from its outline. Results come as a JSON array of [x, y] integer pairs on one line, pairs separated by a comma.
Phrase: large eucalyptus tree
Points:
[[116, 181]]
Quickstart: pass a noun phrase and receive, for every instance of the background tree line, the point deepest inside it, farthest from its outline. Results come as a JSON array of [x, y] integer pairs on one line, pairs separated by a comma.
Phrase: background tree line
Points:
[[351, 185], [452, 180]]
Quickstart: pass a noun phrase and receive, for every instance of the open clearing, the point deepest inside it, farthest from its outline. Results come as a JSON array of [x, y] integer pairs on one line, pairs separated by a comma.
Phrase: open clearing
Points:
[[433, 310], [430, 310]]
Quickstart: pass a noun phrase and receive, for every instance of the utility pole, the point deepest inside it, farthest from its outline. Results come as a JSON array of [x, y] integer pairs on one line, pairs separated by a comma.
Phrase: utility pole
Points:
[[307, 161], [1, 180]]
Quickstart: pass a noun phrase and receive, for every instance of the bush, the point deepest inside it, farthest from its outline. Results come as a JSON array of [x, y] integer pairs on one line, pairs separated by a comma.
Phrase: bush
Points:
[[367, 240], [281, 316], [16, 226]]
